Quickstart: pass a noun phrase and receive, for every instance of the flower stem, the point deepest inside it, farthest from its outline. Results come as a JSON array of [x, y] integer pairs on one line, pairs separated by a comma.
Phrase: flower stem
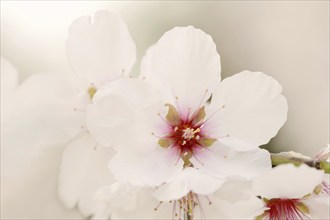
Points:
[[287, 157]]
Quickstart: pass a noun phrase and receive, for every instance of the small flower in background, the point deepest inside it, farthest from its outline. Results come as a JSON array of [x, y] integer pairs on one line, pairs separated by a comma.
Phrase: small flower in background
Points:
[[49, 109], [22, 175], [291, 192], [100, 50]]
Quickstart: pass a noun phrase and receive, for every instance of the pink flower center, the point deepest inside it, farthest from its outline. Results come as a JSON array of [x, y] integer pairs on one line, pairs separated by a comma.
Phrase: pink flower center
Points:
[[286, 209], [186, 132], [185, 137]]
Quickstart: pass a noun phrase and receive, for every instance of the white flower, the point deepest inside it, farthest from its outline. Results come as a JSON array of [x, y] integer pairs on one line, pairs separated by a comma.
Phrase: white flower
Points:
[[99, 50], [50, 108], [16, 176], [160, 131], [288, 193], [234, 200]]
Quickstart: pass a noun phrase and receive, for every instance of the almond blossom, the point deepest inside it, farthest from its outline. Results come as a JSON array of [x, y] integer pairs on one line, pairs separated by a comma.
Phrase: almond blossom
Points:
[[165, 124], [292, 193], [21, 177], [50, 108]]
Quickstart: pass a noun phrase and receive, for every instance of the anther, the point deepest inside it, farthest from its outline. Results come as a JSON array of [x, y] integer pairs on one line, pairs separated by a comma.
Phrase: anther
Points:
[[196, 131], [208, 199], [157, 136], [160, 203]]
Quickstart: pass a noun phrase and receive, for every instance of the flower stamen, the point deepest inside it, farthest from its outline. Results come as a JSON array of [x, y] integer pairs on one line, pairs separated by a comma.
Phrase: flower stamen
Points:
[[91, 91], [325, 188], [214, 113], [160, 203], [186, 134], [287, 209]]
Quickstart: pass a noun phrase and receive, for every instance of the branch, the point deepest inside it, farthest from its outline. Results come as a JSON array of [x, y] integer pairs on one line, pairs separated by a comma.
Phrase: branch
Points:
[[287, 157]]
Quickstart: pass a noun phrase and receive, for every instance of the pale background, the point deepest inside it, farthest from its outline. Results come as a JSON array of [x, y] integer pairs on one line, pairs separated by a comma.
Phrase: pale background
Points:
[[287, 40]]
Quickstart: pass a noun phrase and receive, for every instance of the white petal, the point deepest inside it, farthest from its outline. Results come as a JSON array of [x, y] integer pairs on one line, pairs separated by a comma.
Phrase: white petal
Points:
[[126, 110], [125, 201], [234, 200], [145, 166], [287, 181], [148, 75], [42, 115], [235, 190], [222, 161], [187, 59], [100, 50], [83, 171], [189, 179], [222, 209], [32, 195], [145, 208], [319, 207], [146, 67], [118, 196], [43, 112], [254, 110]]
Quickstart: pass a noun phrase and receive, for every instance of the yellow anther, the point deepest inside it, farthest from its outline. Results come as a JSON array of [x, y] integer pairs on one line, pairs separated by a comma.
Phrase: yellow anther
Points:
[[196, 130], [91, 91]]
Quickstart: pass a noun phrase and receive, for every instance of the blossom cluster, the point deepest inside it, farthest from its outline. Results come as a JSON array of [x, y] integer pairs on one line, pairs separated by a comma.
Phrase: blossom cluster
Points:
[[176, 142]]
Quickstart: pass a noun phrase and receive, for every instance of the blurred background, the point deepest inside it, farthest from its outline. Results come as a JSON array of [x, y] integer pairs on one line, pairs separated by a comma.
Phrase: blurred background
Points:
[[287, 40]]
